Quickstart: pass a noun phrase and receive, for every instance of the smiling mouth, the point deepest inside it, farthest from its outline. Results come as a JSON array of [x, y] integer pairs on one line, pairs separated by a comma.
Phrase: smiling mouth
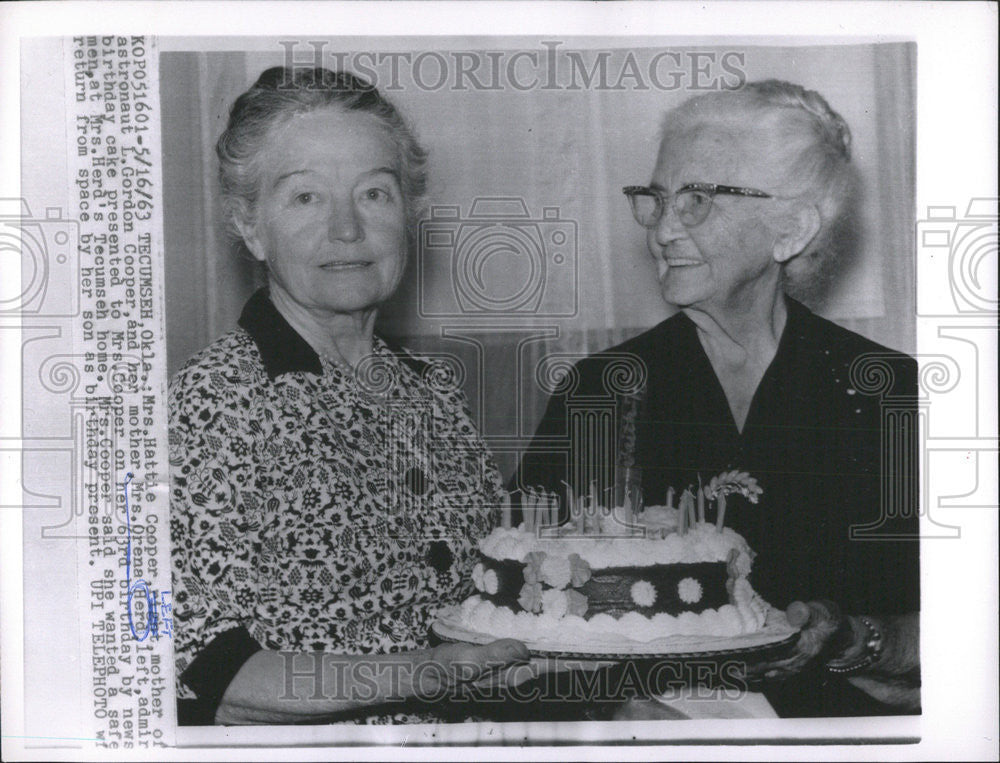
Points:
[[339, 266], [682, 262]]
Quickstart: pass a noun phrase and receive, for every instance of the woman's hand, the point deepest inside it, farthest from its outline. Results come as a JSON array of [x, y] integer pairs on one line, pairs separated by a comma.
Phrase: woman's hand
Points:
[[892, 678], [823, 630], [455, 664], [512, 676]]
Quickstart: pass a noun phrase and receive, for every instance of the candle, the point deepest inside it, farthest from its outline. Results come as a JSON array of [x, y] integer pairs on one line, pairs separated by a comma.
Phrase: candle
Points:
[[670, 498], [528, 505], [570, 503], [505, 511], [721, 503], [580, 508], [684, 511], [619, 487], [592, 510], [701, 501]]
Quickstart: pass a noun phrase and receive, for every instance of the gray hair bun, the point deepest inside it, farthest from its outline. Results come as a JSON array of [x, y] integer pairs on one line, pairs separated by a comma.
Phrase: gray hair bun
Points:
[[786, 94]]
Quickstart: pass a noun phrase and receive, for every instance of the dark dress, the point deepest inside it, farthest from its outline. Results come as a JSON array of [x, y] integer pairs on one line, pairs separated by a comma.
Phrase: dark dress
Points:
[[830, 437]]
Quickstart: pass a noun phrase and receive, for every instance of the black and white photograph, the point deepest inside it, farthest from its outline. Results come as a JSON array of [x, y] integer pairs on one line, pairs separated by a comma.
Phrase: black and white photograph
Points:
[[453, 380]]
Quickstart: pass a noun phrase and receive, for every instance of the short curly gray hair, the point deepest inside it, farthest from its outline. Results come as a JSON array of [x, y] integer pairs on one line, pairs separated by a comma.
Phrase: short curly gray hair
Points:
[[279, 94], [812, 143]]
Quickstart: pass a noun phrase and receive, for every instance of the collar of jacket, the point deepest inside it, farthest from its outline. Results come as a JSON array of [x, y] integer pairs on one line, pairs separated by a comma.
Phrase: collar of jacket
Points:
[[283, 350]]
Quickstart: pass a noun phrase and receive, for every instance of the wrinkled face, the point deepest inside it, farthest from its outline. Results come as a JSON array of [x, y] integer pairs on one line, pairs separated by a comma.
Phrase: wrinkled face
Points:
[[330, 220], [729, 258]]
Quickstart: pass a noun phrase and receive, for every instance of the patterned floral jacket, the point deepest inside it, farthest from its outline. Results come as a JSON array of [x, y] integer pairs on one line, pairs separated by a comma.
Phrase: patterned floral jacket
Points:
[[314, 508]]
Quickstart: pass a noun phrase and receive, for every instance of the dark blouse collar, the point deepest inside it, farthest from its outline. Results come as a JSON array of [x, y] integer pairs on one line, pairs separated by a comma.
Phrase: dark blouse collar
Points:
[[283, 350]]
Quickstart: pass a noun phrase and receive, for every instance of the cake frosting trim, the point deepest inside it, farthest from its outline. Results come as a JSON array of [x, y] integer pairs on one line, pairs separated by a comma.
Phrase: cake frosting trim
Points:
[[745, 617]]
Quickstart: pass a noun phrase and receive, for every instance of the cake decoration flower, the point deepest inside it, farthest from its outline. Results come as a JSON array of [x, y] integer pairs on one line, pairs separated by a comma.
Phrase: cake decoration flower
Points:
[[477, 576], [556, 571], [576, 603], [490, 582], [643, 593], [554, 602], [530, 598], [728, 483], [533, 566], [689, 590], [731, 482], [579, 570]]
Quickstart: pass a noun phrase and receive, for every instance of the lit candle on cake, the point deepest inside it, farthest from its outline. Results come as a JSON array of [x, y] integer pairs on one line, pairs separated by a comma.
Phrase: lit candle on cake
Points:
[[701, 501]]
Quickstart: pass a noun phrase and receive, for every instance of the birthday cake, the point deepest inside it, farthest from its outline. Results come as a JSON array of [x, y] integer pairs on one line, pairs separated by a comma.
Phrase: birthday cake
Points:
[[616, 575]]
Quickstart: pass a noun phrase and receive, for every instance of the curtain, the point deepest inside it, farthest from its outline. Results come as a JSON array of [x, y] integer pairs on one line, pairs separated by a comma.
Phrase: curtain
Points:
[[528, 247]]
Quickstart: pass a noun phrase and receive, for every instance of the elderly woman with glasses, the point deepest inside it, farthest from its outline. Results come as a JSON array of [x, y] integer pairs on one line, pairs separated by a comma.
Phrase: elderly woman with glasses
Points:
[[327, 487], [747, 187]]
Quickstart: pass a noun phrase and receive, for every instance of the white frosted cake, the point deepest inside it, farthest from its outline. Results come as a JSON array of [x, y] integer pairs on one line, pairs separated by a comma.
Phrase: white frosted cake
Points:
[[617, 577]]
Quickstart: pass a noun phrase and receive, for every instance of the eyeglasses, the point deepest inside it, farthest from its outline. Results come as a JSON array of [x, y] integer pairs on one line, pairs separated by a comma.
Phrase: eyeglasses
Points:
[[692, 202]]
